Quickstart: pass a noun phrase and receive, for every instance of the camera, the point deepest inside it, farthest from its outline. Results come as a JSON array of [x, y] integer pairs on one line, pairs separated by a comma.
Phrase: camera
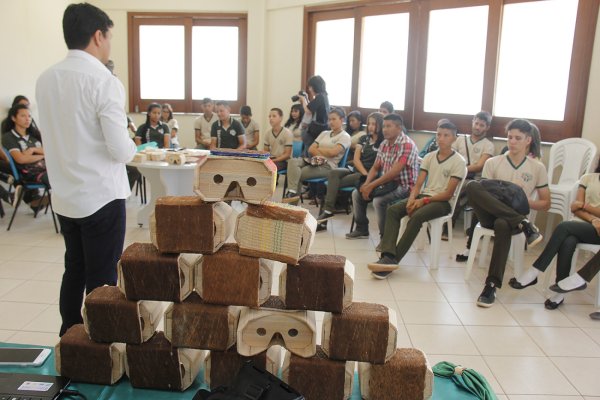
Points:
[[296, 97]]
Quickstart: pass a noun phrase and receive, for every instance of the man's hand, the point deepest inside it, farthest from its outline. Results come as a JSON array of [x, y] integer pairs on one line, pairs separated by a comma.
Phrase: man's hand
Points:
[[596, 224], [416, 204], [366, 190], [576, 205]]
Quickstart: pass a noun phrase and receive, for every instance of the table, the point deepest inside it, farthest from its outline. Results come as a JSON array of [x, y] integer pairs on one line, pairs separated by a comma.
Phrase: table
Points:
[[443, 388], [165, 180]]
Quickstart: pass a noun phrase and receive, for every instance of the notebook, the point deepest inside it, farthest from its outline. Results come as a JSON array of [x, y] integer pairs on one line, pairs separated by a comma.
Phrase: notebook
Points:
[[28, 386]]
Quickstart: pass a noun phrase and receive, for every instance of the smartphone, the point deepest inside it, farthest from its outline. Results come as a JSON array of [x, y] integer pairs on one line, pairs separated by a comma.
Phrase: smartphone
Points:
[[23, 356]]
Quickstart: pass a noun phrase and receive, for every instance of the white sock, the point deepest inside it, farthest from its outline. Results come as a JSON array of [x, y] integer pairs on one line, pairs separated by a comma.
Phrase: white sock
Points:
[[571, 282], [327, 212], [557, 298], [466, 252], [528, 276], [292, 191]]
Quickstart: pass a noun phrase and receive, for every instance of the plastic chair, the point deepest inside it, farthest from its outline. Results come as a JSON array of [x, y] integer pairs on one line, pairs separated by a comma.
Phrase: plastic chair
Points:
[[435, 227], [296, 152], [517, 247], [28, 186], [581, 154]]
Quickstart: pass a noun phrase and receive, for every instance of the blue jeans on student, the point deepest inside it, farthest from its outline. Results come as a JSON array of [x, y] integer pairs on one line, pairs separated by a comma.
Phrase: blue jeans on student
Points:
[[93, 244], [380, 204]]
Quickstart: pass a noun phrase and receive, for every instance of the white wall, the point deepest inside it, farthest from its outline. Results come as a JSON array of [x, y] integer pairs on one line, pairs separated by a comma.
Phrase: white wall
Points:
[[32, 35]]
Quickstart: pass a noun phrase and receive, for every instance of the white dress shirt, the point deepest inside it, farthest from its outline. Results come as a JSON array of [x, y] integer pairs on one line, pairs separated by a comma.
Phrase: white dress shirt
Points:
[[84, 127]]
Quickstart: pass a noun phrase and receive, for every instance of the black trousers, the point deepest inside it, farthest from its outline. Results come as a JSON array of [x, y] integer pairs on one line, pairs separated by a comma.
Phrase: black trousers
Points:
[[93, 246], [494, 214]]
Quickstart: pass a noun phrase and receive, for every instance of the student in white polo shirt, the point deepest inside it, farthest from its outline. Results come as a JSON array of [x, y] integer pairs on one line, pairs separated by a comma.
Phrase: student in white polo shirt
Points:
[[203, 124]]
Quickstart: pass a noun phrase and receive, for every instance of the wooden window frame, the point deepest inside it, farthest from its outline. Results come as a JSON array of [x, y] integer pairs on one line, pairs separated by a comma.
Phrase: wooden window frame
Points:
[[413, 114], [188, 21]]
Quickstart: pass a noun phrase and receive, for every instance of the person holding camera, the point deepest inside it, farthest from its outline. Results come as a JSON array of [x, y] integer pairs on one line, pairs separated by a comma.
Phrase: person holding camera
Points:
[[325, 154], [316, 106]]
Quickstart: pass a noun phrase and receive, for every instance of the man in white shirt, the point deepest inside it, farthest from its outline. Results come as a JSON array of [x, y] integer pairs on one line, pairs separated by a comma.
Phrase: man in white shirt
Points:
[[81, 107]]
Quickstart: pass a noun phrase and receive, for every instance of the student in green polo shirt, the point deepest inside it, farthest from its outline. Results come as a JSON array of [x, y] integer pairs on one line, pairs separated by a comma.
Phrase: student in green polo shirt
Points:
[[153, 130], [227, 132]]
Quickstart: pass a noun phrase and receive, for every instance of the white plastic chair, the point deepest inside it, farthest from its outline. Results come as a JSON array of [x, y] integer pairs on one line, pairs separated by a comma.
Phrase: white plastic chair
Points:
[[517, 247], [435, 228], [576, 157]]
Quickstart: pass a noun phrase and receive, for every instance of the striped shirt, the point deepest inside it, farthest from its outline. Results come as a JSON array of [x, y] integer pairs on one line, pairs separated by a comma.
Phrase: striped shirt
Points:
[[403, 149]]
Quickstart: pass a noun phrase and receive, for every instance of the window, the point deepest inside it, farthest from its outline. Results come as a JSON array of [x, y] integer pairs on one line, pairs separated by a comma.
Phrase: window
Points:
[[173, 59], [451, 58], [455, 60], [533, 69], [378, 78]]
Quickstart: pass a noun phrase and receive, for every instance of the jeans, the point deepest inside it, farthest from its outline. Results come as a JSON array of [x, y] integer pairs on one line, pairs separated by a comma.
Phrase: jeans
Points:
[[379, 203], [93, 244], [562, 244], [395, 213]]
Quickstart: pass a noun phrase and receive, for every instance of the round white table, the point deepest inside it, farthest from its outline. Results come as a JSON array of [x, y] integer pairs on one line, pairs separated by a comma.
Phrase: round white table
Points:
[[165, 180]]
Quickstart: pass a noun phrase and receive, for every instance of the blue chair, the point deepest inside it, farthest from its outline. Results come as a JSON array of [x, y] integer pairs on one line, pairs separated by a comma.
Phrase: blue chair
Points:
[[315, 182], [28, 186], [296, 152]]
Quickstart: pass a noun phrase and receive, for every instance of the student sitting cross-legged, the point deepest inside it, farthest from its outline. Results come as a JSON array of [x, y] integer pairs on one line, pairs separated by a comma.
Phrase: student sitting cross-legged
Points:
[[443, 169]]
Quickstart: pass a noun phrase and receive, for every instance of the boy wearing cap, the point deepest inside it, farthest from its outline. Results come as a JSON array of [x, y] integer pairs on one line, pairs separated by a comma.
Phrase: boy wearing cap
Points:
[[443, 169], [203, 124]]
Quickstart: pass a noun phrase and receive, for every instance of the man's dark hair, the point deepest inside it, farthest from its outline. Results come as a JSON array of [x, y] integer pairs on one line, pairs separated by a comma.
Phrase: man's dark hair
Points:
[[484, 116], [396, 118], [339, 112], [447, 124], [80, 22], [388, 106], [246, 110], [222, 103], [279, 111]]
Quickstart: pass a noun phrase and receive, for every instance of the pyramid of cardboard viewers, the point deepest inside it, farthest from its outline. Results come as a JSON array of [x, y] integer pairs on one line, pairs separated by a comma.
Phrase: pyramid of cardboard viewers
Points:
[[221, 310]]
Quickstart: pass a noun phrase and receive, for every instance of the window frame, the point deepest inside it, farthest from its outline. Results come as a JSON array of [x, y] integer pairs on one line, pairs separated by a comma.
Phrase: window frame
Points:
[[188, 21], [413, 114]]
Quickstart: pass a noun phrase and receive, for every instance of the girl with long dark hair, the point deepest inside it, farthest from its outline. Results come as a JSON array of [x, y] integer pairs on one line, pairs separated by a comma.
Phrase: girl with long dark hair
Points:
[[153, 130]]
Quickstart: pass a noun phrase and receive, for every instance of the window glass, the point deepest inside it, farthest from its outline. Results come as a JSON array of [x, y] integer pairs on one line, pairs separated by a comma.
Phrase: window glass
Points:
[[162, 72], [455, 60], [383, 67], [212, 78], [534, 60], [334, 55]]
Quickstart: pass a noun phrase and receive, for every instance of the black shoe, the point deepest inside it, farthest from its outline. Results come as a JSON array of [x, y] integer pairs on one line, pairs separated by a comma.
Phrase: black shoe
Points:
[[322, 226], [384, 264], [558, 289], [595, 315], [324, 216], [550, 305], [531, 233], [357, 235], [462, 258], [515, 284], [291, 198], [487, 297]]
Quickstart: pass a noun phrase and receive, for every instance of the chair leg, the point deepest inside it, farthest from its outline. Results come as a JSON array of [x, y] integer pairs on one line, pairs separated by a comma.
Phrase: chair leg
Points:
[[450, 236], [436, 240], [15, 210], [52, 213], [472, 253]]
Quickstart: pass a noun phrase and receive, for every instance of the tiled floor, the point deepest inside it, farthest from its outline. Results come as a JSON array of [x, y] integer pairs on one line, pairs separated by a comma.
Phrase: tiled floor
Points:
[[525, 351]]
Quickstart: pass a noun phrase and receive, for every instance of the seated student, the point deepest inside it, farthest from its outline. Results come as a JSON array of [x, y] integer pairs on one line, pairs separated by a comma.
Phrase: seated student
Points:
[[584, 229], [25, 148], [393, 175], [278, 140], [364, 158], [515, 167], [443, 169], [326, 152], [355, 128], [203, 124], [251, 127], [166, 116], [386, 108], [153, 130], [20, 99], [294, 122], [476, 149], [227, 132]]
